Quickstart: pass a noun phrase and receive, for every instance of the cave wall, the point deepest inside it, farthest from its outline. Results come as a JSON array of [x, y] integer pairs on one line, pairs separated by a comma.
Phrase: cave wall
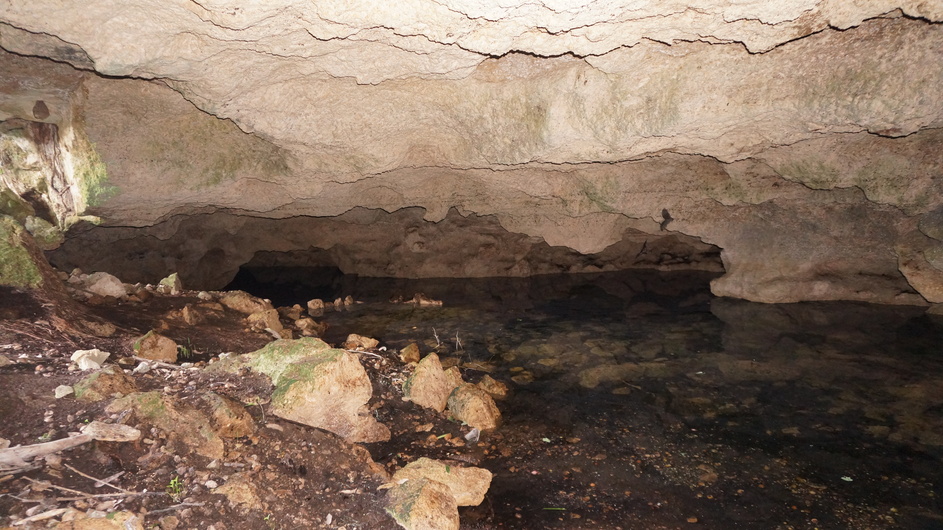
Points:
[[801, 140]]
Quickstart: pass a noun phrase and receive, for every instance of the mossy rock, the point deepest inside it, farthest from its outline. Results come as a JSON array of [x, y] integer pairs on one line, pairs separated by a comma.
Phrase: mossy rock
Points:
[[275, 357], [11, 204], [17, 267]]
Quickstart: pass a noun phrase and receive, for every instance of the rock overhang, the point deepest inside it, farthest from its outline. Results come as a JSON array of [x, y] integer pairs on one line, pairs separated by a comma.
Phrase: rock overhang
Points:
[[750, 125]]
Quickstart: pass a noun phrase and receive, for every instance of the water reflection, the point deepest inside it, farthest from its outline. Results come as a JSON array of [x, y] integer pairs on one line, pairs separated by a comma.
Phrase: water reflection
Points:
[[662, 404]]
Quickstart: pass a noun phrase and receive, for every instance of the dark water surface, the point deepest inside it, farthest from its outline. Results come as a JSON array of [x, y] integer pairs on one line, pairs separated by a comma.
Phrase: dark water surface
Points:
[[641, 401]]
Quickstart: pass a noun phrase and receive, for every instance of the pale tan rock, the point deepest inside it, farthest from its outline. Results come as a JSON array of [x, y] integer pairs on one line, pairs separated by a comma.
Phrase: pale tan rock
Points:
[[467, 485], [104, 284], [156, 347], [474, 406], [244, 302], [429, 386], [423, 504], [327, 389], [122, 520], [316, 307], [358, 342], [265, 320], [410, 354]]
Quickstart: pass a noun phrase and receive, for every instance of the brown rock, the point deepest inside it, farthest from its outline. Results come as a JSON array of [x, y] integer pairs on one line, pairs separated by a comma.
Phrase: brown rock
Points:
[[497, 389], [410, 354], [189, 428], [244, 302], [104, 384], [291, 313], [309, 328], [429, 386], [316, 307], [467, 485], [355, 342], [230, 418], [423, 504], [241, 490], [474, 406], [156, 347], [265, 320]]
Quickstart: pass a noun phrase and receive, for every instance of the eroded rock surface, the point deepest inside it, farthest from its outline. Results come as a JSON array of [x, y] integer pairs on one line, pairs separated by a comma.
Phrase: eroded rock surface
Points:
[[467, 139]]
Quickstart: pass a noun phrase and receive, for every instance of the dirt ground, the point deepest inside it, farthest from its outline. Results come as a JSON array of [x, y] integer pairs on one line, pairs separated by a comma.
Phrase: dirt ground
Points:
[[310, 478]]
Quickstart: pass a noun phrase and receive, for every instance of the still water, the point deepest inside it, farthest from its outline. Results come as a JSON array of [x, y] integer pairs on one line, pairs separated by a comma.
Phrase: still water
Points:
[[639, 400]]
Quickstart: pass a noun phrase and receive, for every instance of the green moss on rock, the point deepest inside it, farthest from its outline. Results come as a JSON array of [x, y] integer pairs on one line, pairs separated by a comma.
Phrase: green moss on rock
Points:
[[17, 268]]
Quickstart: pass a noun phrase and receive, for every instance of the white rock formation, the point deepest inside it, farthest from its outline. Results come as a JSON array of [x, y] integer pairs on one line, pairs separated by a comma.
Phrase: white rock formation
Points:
[[798, 138]]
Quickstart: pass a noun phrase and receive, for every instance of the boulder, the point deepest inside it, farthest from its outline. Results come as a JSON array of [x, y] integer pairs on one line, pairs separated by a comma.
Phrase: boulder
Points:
[[429, 386], [104, 385], [156, 347], [315, 385], [265, 320], [474, 406], [329, 390], [355, 342], [244, 302], [467, 485], [104, 284], [423, 504], [188, 427]]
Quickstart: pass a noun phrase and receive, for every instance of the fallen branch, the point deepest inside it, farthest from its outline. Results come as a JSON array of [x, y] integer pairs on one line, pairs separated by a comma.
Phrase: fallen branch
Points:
[[100, 482], [174, 507], [15, 458], [378, 356], [41, 516]]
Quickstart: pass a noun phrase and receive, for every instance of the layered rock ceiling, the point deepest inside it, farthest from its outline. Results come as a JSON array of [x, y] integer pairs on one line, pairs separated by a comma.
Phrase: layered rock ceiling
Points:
[[794, 145]]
